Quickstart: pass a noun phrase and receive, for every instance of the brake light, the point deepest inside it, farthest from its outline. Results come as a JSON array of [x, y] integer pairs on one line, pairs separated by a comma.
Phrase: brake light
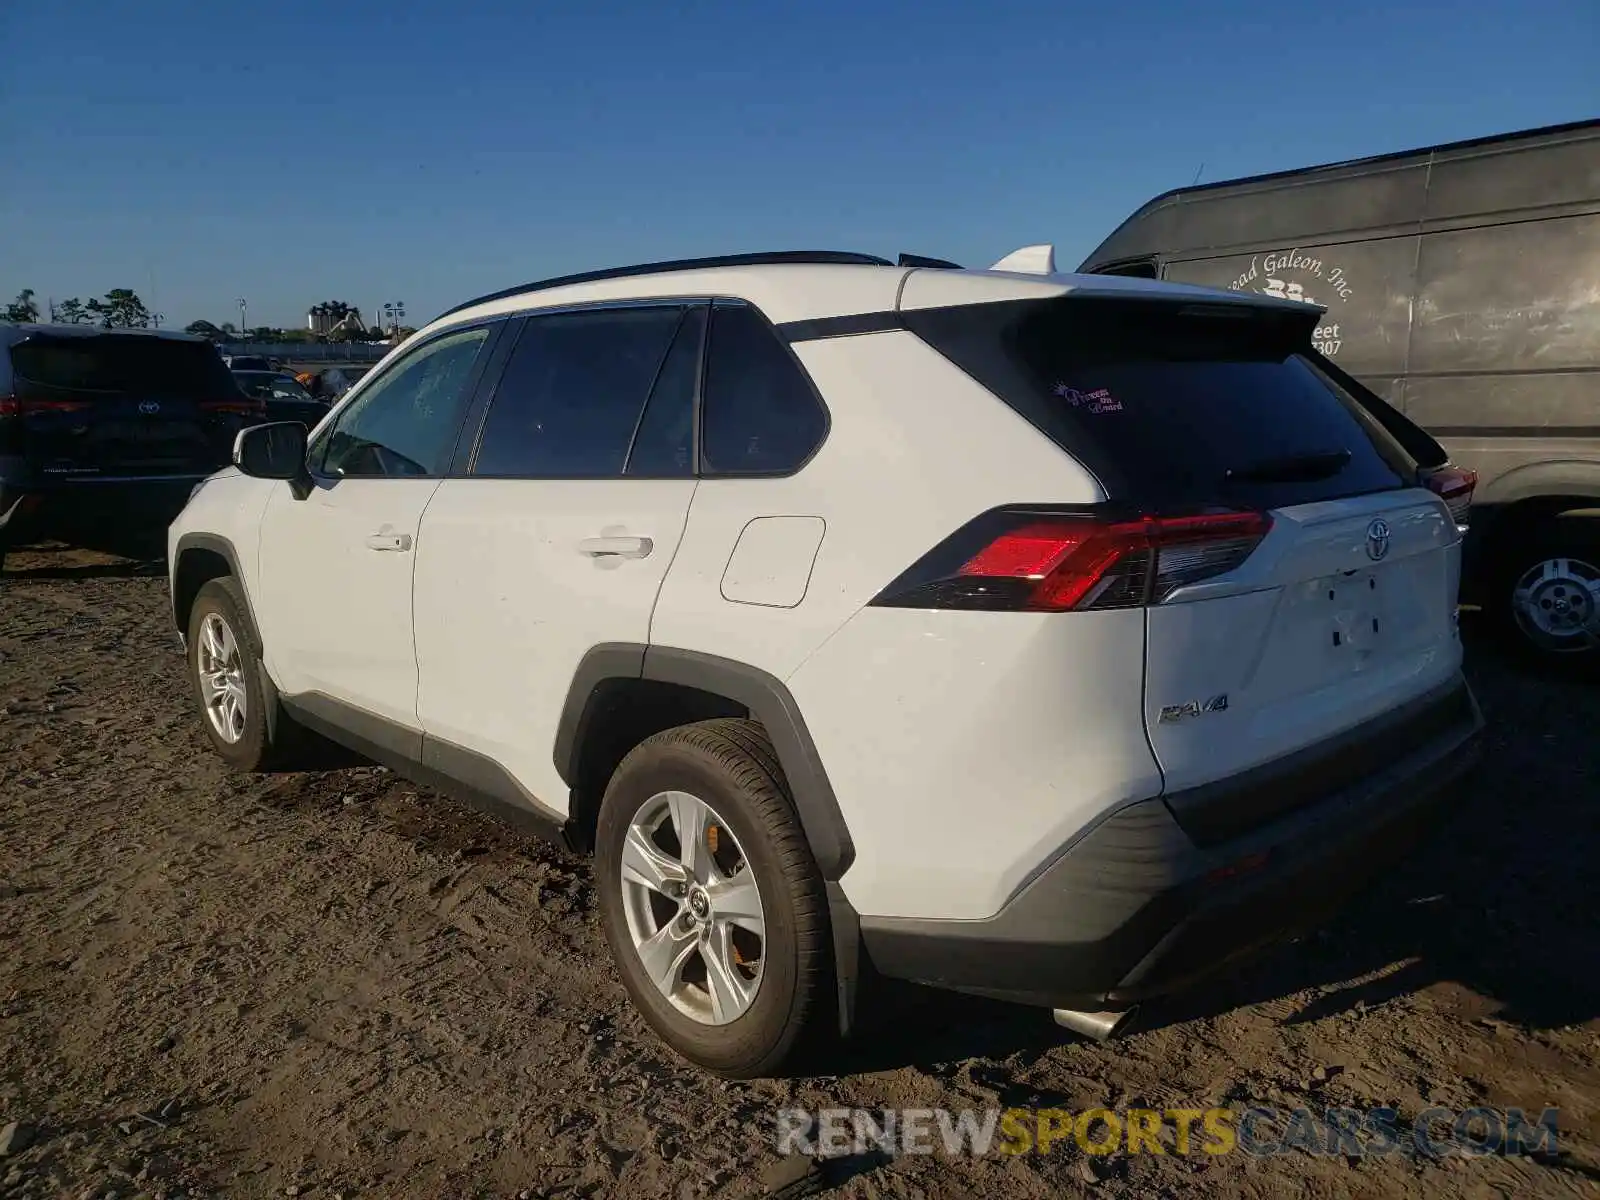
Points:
[[244, 406], [1016, 561], [1454, 485], [15, 406]]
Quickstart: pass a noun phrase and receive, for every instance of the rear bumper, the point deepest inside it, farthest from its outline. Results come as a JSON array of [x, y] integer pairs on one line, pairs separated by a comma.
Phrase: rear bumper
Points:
[[1135, 908]]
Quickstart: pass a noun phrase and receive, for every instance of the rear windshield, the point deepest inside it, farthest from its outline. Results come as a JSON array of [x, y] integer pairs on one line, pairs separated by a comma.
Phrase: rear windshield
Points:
[[123, 363], [1174, 405]]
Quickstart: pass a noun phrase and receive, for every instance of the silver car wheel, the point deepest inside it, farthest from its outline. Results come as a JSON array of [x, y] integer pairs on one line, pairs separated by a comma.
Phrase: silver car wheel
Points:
[[220, 668], [693, 908]]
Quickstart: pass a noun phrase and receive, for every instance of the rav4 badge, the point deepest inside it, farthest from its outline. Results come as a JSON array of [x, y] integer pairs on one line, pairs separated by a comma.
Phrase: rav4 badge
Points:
[[1172, 713]]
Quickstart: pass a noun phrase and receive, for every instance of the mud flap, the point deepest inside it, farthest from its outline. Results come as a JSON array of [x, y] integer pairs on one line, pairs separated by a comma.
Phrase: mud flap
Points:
[[846, 927]]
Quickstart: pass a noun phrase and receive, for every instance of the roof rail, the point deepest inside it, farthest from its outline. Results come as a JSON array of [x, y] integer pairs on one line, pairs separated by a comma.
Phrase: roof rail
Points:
[[759, 259], [922, 260]]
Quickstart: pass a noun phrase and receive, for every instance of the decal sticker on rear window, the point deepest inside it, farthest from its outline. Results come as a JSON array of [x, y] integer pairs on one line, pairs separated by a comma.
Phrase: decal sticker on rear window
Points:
[[1098, 401]]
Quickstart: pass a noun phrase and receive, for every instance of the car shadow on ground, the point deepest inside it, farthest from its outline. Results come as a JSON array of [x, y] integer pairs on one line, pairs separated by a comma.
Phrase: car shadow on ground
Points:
[[120, 549], [1498, 901]]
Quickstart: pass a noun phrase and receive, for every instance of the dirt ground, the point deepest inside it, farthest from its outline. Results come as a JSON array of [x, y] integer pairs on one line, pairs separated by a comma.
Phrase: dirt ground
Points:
[[341, 984]]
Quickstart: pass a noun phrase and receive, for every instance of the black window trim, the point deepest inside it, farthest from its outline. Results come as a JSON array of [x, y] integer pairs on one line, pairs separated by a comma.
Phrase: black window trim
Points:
[[494, 326], [486, 387], [816, 395], [694, 398], [650, 393]]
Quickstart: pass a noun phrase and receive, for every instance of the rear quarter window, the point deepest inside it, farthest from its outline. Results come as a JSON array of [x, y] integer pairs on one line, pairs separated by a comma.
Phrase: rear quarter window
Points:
[[1173, 405], [760, 414]]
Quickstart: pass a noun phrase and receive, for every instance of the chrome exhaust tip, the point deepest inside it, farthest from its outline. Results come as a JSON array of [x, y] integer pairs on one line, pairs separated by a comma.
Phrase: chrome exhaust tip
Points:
[[1096, 1026]]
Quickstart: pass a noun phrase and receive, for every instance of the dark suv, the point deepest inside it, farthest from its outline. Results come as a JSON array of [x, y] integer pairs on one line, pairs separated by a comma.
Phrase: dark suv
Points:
[[95, 422]]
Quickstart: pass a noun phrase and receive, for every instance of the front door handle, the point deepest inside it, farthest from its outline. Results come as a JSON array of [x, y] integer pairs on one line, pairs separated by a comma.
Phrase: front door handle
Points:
[[621, 547], [389, 541]]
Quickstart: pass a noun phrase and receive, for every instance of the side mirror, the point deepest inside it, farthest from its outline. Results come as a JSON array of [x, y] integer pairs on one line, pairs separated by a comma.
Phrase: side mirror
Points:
[[274, 451]]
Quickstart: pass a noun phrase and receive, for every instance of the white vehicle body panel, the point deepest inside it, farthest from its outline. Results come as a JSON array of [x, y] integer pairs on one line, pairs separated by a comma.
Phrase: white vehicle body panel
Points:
[[966, 748], [334, 598], [511, 593], [1308, 638]]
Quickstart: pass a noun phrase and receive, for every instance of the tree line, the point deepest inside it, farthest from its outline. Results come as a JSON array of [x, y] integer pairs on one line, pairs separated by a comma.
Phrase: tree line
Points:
[[121, 308]]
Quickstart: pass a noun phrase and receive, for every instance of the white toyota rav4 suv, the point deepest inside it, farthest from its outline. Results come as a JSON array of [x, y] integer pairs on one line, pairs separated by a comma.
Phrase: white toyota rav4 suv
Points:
[[1046, 637]]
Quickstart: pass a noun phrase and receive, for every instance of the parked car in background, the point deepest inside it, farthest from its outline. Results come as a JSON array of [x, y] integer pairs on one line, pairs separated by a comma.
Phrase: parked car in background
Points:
[[1136, 653], [1459, 283], [286, 399], [93, 421]]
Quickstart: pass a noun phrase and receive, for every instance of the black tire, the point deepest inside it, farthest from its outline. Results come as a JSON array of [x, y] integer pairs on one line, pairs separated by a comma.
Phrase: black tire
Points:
[[1577, 542], [730, 765], [268, 741]]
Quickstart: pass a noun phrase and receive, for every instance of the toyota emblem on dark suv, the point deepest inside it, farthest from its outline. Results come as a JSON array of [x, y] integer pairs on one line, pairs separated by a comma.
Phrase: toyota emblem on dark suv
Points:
[[149, 407], [1377, 539]]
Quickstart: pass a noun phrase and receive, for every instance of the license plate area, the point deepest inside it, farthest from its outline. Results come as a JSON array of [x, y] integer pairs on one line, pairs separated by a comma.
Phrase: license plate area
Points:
[[144, 433], [1354, 614]]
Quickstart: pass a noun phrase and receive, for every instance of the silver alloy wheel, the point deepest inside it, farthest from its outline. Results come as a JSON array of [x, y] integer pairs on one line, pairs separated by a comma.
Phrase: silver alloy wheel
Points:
[[693, 908], [1557, 604], [221, 670]]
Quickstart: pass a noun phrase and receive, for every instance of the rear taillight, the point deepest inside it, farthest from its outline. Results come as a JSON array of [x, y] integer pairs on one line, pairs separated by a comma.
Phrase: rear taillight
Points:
[[1453, 485], [242, 407], [1018, 561], [14, 406]]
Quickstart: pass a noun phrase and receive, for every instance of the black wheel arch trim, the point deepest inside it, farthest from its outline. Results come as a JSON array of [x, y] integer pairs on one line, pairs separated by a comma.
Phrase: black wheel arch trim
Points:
[[219, 545], [763, 695]]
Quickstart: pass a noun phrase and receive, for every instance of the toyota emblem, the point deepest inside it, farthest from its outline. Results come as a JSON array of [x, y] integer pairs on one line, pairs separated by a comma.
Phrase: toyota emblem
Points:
[[1378, 539], [149, 407]]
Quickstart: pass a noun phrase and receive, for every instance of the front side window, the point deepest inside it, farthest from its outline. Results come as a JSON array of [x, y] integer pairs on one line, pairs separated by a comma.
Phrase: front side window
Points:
[[573, 391], [761, 416], [405, 423]]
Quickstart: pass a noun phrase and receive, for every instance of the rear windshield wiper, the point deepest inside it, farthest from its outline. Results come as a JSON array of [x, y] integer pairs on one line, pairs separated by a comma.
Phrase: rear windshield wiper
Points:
[[1291, 468]]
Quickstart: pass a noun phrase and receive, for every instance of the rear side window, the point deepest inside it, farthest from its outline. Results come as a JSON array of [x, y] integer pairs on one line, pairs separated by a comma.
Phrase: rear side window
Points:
[[573, 391], [116, 364], [760, 415], [1173, 405]]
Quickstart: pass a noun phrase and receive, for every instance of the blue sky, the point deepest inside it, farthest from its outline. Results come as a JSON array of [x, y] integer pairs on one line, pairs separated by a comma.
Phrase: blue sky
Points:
[[294, 151]]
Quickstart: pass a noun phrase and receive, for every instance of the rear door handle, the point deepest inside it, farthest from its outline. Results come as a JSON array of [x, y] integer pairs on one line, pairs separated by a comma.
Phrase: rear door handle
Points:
[[621, 547], [389, 541]]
